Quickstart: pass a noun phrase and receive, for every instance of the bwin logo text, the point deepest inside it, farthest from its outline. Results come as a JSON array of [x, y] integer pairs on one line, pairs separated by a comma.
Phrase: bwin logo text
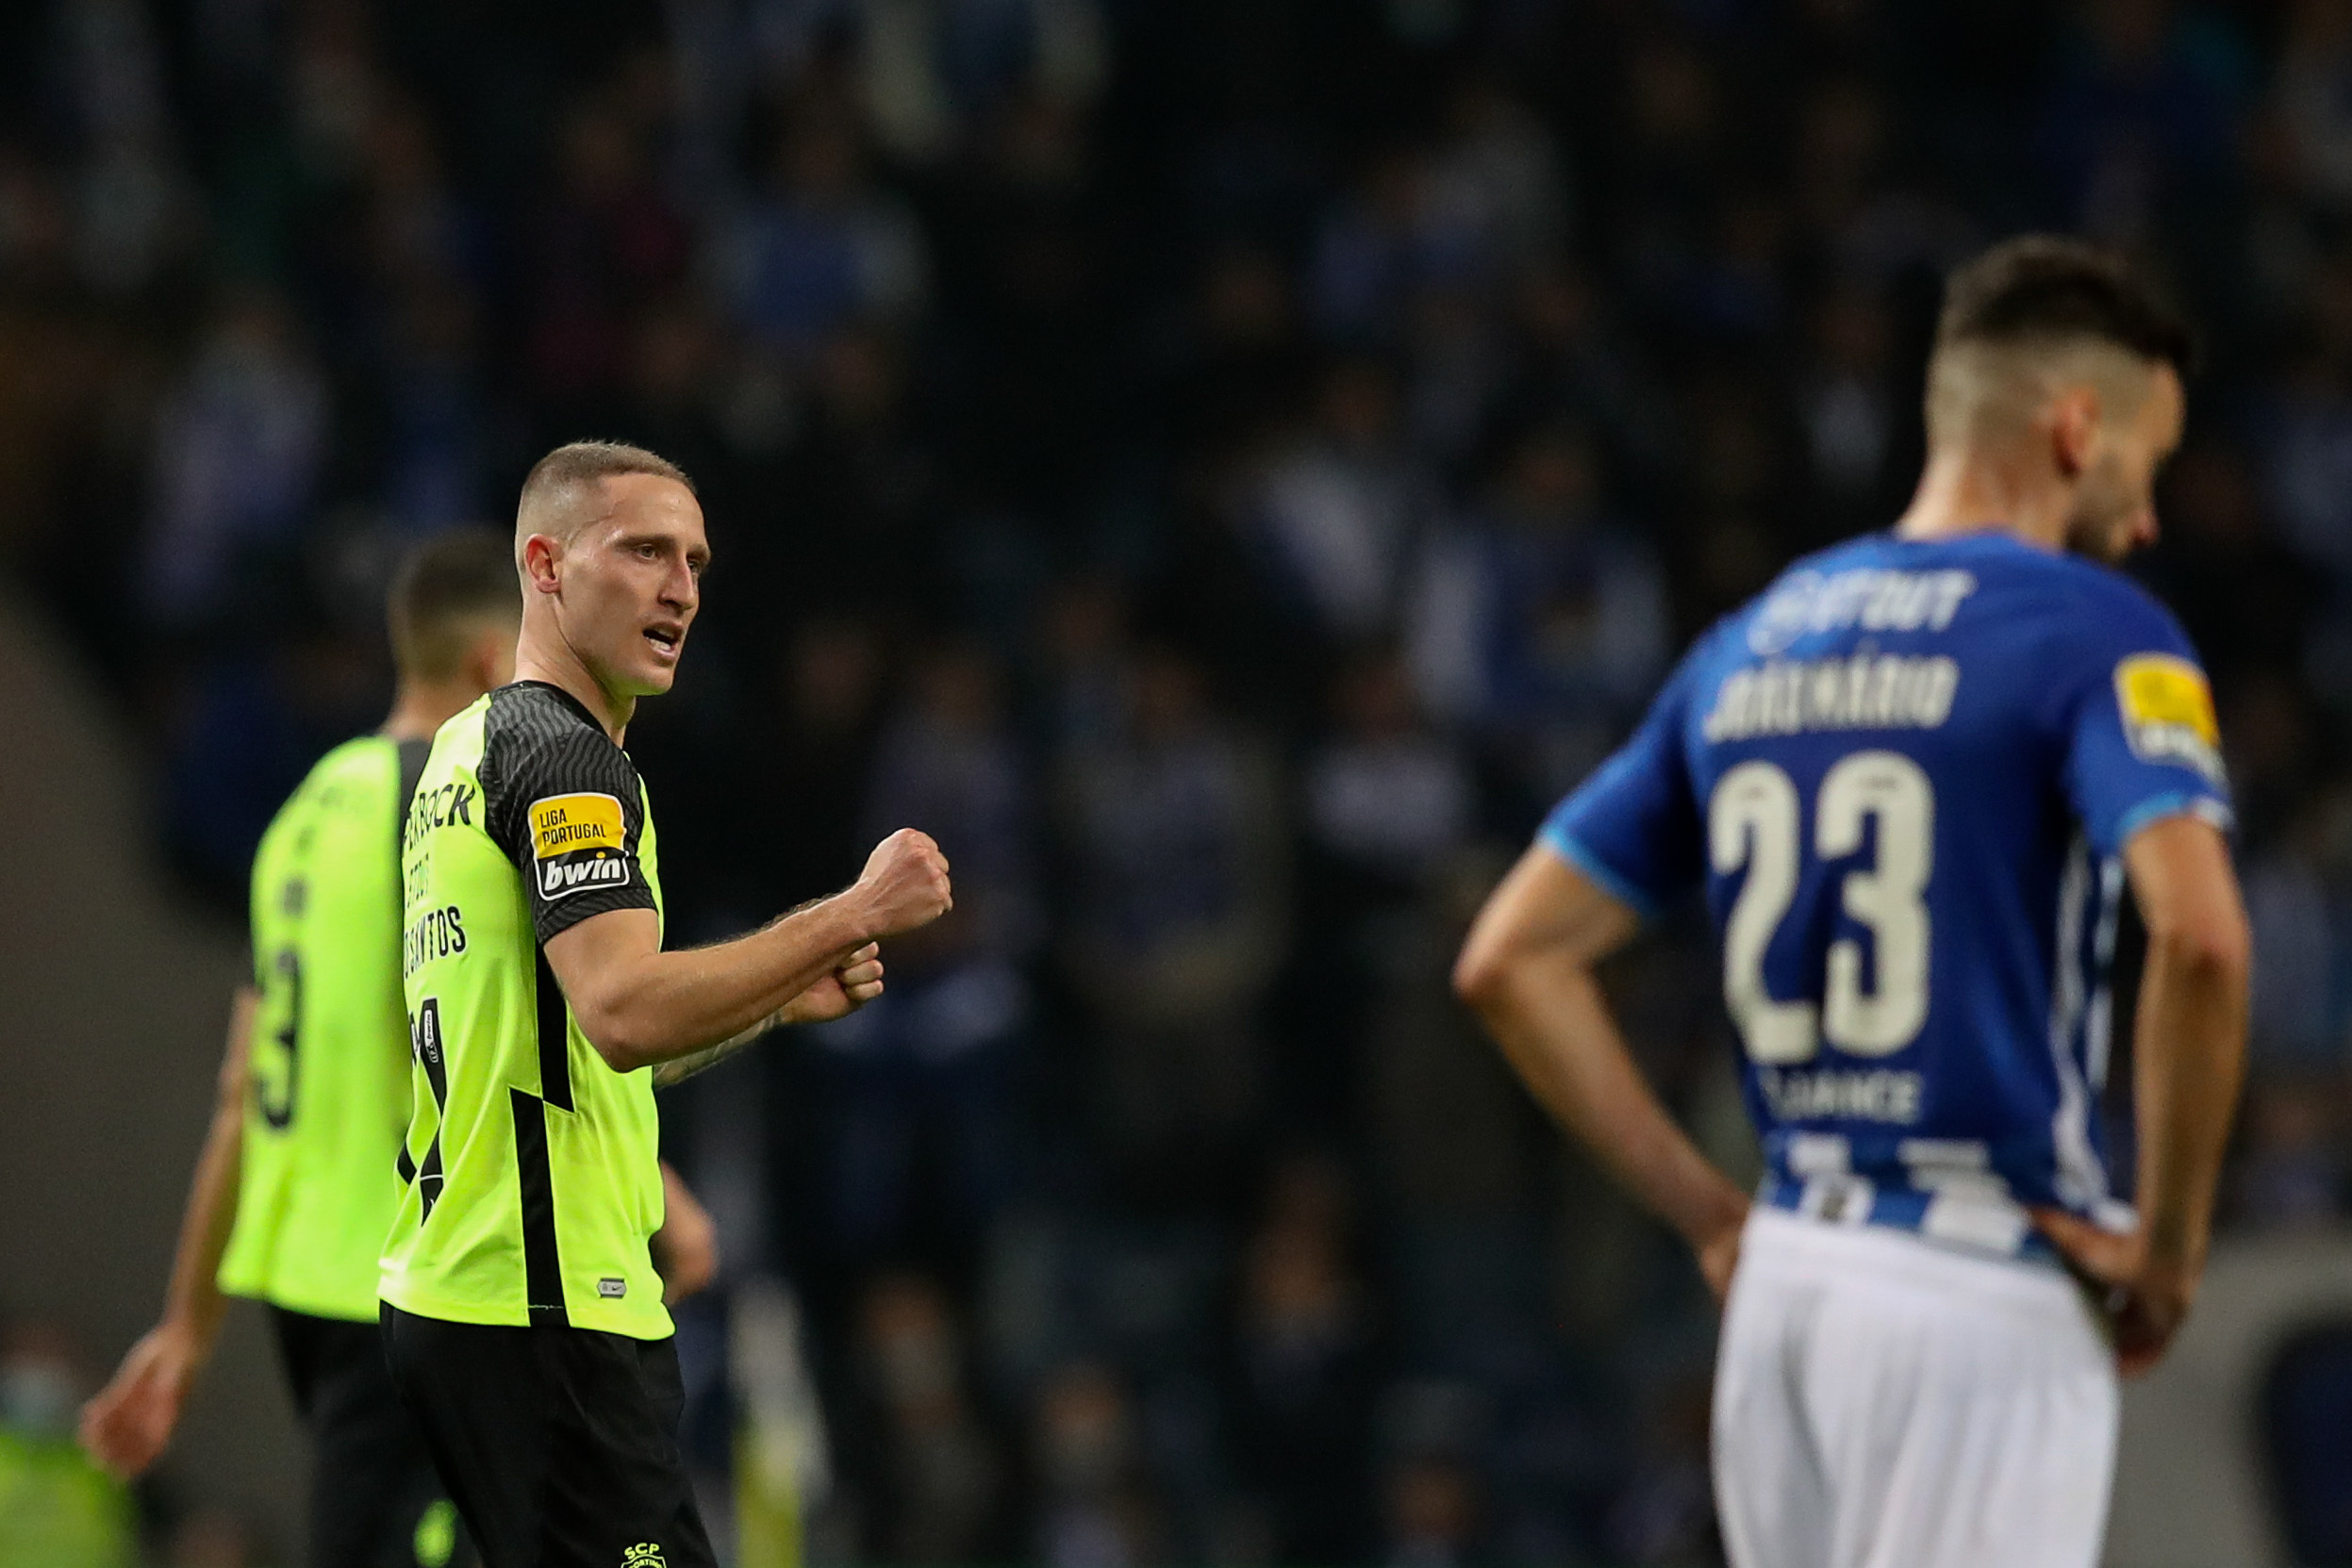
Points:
[[559, 877]]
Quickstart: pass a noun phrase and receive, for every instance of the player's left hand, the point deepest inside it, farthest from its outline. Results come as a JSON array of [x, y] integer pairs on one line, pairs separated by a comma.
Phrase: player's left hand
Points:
[[1719, 1258], [685, 1248], [129, 1423], [853, 984], [2144, 1296]]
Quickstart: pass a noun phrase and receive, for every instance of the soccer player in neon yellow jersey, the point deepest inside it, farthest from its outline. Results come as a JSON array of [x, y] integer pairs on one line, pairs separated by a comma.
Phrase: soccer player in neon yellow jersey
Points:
[[296, 1187], [520, 1318]]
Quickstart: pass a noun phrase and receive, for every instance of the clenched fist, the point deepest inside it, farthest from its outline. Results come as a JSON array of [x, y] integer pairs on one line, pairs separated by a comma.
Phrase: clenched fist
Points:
[[904, 885]]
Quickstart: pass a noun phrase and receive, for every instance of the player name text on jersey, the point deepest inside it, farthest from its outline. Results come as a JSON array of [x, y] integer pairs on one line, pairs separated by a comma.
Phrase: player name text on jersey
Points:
[[1867, 691]]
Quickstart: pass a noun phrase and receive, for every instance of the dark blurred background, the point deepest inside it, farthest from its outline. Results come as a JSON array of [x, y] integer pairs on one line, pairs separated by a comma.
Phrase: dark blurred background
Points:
[[1224, 468]]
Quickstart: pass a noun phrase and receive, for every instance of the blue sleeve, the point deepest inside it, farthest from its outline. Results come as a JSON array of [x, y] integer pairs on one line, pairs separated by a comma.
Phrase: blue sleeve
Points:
[[2142, 742], [1634, 826]]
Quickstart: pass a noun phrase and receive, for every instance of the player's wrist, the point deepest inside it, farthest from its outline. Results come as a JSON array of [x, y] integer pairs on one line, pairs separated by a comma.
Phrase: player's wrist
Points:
[[184, 1342], [860, 916], [2173, 1256], [1718, 1213]]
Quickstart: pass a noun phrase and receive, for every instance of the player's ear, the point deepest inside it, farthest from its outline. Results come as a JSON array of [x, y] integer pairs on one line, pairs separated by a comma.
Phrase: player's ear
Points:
[[540, 554], [2074, 427]]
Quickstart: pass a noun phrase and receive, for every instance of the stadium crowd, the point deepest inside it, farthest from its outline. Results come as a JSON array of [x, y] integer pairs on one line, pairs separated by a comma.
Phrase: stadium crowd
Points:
[[1224, 469]]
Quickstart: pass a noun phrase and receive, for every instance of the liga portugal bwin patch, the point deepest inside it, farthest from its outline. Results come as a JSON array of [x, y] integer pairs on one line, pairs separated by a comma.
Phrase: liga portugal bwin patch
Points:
[[576, 844], [2168, 713]]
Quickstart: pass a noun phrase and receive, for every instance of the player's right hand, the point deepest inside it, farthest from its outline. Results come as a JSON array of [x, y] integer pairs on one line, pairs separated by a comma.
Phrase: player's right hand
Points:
[[904, 885], [2145, 1296], [128, 1423]]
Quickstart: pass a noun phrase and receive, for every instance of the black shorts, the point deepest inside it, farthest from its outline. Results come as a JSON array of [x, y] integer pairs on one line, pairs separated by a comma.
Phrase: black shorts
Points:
[[560, 1444], [376, 1500]]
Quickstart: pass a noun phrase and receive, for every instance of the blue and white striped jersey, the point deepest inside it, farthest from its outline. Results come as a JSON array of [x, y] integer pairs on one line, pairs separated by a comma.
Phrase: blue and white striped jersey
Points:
[[1905, 775]]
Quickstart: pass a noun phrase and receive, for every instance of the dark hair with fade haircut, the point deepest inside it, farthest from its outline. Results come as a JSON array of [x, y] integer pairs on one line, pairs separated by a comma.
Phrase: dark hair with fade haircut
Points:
[[2042, 287], [585, 462], [445, 589]]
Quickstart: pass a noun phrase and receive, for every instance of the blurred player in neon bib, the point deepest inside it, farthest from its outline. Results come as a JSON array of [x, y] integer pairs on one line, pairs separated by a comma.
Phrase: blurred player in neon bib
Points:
[[1914, 779]]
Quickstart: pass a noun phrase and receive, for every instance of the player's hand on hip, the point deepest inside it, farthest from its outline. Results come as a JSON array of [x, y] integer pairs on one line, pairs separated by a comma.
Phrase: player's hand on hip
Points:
[[854, 982], [2144, 1296], [904, 885], [1718, 1254], [685, 1248], [128, 1423]]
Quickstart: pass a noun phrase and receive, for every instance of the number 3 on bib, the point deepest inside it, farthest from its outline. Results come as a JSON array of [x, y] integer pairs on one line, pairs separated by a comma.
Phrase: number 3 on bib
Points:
[[1754, 820]]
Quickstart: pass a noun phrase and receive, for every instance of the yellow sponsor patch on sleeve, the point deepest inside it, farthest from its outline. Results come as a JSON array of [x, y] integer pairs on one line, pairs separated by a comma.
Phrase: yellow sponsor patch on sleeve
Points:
[[566, 824], [2167, 710]]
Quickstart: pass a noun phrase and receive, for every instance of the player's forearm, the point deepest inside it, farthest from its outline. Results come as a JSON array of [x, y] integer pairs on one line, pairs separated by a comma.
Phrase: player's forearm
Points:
[[193, 1302], [2191, 1056], [679, 1068], [669, 1005], [1553, 1024]]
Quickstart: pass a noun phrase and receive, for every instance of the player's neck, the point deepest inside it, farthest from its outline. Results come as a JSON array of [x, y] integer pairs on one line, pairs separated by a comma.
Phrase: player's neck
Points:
[[542, 656], [1971, 491], [421, 707]]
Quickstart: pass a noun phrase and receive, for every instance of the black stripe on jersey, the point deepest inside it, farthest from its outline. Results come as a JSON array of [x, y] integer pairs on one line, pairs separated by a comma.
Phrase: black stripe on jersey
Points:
[[555, 1038], [542, 1266], [425, 1039], [429, 1177], [414, 755]]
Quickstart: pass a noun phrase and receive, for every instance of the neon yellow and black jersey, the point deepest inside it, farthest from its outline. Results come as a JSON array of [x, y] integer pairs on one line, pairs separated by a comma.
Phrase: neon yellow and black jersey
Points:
[[532, 1167], [328, 1063]]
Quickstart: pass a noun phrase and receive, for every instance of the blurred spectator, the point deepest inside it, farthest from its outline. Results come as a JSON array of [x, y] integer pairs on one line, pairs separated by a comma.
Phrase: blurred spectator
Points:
[[2243, 595], [1498, 175], [434, 415], [2294, 1173], [815, 756], [238, 455], [1084, 655], [1431, 1508], [1386, 795], [2307, 429], [1337, 517], [1535, 617], [1238, 365], [2139, 111], [2313, 98], [851, 476], [606, 238], [1370, 256], [1455, 1147], [1095, 1512], [2297, 916], [129, 199], [1572, 357], [1304, 1389], [934, 1472], [823, 246], [413, 226], [1176, 914], [915, 1118], [1851, 409]]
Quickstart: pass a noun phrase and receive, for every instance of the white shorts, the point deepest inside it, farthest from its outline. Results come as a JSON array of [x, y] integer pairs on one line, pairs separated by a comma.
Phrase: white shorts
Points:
[[1886, 1402]]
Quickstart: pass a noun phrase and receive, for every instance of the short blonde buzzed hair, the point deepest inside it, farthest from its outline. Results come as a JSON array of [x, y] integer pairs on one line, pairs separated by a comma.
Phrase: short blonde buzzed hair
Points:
[[556, 480]]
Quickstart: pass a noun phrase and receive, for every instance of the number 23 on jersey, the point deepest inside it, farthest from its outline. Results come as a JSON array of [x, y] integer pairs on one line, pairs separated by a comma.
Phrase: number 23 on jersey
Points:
[[1756, 820]]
